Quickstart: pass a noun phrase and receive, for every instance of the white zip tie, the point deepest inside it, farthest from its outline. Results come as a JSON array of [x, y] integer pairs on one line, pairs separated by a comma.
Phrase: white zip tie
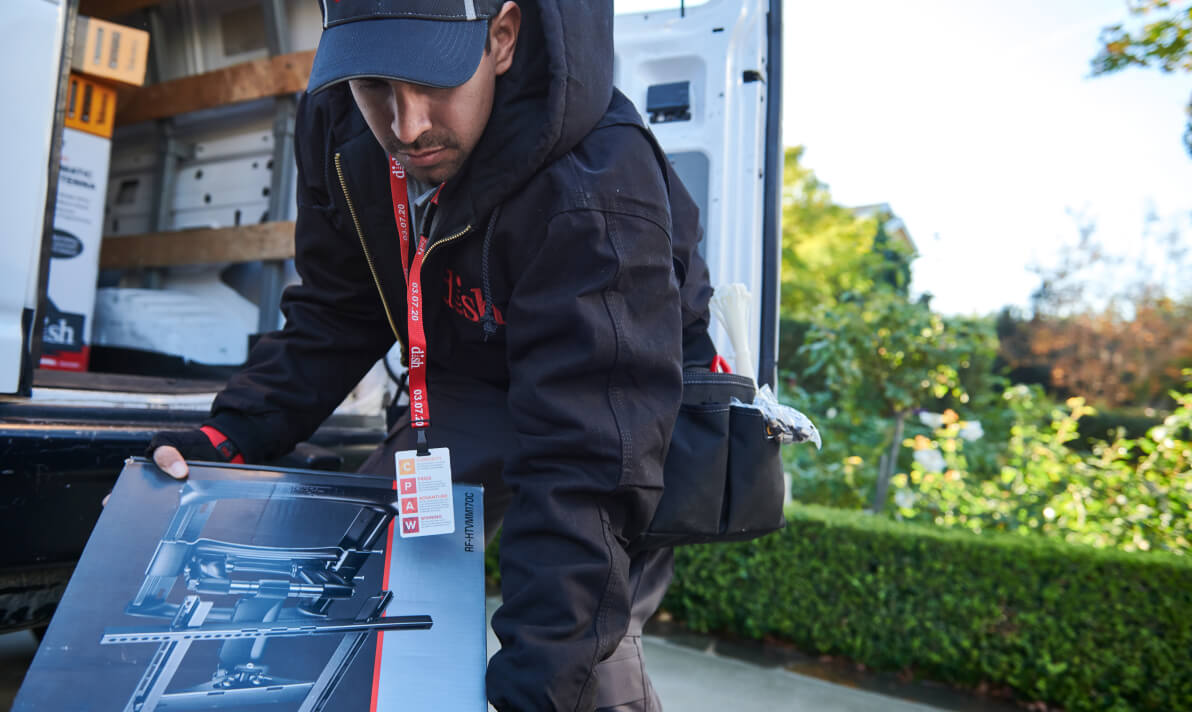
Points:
[[730, 305]]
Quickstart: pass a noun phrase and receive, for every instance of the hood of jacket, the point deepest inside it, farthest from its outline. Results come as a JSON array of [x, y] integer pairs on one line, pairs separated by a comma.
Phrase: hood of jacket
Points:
[[558, 88]]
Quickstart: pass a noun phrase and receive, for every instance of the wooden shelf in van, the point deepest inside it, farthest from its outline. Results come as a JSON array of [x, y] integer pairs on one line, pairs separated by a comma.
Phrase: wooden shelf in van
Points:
[[258, 79], [245, 243]]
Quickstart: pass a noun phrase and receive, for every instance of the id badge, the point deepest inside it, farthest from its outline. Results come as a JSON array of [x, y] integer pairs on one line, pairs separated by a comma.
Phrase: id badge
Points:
[[424, 493]]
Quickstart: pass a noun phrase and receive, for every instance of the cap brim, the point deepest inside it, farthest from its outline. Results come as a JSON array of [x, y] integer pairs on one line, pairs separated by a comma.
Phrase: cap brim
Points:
[[431, 52]]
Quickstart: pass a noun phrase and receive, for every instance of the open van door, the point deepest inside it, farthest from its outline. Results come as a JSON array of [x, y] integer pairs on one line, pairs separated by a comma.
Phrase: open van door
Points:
[[707, 77], [31, 55]]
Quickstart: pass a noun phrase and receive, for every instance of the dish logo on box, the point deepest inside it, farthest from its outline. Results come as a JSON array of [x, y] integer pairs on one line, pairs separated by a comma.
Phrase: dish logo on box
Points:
[[62, 339]]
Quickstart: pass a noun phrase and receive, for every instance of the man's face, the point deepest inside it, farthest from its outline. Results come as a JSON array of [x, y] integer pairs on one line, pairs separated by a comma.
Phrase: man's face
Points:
[[432, 131], [428, 130]]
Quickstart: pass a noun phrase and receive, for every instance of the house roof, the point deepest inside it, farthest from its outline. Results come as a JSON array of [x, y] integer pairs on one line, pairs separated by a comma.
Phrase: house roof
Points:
[[893, 225]]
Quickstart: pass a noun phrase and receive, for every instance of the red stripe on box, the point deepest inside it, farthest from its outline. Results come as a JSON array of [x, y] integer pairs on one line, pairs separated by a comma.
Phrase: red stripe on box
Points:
[[372, 707]]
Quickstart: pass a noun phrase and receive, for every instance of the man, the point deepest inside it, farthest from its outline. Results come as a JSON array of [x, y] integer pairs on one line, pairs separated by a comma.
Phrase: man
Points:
[[546, 318]]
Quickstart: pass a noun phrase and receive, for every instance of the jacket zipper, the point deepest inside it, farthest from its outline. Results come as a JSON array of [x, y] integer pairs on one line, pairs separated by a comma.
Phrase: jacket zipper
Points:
[[343, 184], [449, 238]]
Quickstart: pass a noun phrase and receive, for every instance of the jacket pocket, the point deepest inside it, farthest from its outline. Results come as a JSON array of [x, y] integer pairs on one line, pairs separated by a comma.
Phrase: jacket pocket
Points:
[[693, 476]]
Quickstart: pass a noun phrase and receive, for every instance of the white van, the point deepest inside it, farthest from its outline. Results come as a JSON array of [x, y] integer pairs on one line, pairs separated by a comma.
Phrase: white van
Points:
[[197, 232]]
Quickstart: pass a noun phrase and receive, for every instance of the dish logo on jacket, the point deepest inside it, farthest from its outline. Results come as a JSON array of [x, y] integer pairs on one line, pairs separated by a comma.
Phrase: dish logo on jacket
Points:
[[468, 303]]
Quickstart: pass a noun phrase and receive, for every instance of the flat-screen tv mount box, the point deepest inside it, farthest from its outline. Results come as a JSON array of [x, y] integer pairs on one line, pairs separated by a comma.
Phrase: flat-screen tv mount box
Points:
[[245, 588]]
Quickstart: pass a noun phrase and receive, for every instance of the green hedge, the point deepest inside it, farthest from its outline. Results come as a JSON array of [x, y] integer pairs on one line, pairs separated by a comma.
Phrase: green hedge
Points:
[[1084, 628]]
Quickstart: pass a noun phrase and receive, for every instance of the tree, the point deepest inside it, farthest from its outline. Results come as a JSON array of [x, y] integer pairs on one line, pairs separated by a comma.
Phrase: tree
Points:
[[1115, 330], [1111, 359], [855, 346], [887, 354], [1163, 40], [827, 251]]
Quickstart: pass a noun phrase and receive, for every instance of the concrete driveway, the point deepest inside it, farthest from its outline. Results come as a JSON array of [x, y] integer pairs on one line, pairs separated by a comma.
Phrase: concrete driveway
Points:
[[693, 681], [690, 680]]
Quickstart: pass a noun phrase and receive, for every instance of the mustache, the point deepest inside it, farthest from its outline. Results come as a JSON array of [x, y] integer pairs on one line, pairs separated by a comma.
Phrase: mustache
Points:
[[424, 142]]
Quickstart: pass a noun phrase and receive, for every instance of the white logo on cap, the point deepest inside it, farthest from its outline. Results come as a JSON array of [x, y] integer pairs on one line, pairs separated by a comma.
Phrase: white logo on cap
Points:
[[469, 9]]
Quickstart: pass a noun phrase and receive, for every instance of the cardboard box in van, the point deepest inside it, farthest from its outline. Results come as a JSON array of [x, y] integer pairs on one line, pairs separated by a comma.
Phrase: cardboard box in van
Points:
[[78, 224], [110, 51]]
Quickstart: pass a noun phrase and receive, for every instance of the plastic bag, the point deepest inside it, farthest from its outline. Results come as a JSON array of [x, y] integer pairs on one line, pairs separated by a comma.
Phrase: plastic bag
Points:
[[783, 423]]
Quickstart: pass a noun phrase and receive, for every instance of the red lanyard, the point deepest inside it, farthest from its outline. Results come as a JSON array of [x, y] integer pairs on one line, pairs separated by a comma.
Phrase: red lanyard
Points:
[[416, 333]]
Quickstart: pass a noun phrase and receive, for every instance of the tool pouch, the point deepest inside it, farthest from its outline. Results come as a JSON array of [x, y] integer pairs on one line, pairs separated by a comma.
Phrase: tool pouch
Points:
[[723, 473]]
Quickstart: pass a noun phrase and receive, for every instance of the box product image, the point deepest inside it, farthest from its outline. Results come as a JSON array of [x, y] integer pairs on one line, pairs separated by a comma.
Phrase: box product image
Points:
[[249, 588]]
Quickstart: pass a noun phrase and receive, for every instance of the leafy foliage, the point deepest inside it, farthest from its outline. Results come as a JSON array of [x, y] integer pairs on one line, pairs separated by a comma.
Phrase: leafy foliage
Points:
[[1133, 494], [1113, 328], [1164, 40], [885, 356], [844, 472], [857, 354], [827, 251], [1084, 628], [887, 351], [1110, 358]]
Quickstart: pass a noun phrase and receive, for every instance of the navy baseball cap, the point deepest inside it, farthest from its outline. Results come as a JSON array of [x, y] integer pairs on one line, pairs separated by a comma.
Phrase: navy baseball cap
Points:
[[438, 43]]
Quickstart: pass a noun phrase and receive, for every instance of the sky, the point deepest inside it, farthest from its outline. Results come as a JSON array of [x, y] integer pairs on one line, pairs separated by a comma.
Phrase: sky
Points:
[[978, 123]]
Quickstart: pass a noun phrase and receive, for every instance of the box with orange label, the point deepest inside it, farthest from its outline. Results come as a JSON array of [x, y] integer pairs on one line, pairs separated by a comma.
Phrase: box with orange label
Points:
[[78, 224], [110, 51]]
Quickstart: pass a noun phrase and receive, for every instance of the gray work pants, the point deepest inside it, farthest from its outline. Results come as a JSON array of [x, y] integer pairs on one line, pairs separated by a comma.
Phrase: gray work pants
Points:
[[472, 420]]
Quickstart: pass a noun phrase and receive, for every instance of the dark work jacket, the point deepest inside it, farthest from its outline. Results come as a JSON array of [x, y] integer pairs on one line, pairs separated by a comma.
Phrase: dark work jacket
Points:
[[587, 243]]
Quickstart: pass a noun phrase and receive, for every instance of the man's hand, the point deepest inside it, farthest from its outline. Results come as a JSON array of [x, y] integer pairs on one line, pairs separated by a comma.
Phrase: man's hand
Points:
[[171, 462], [170, 449], [167, 446]]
